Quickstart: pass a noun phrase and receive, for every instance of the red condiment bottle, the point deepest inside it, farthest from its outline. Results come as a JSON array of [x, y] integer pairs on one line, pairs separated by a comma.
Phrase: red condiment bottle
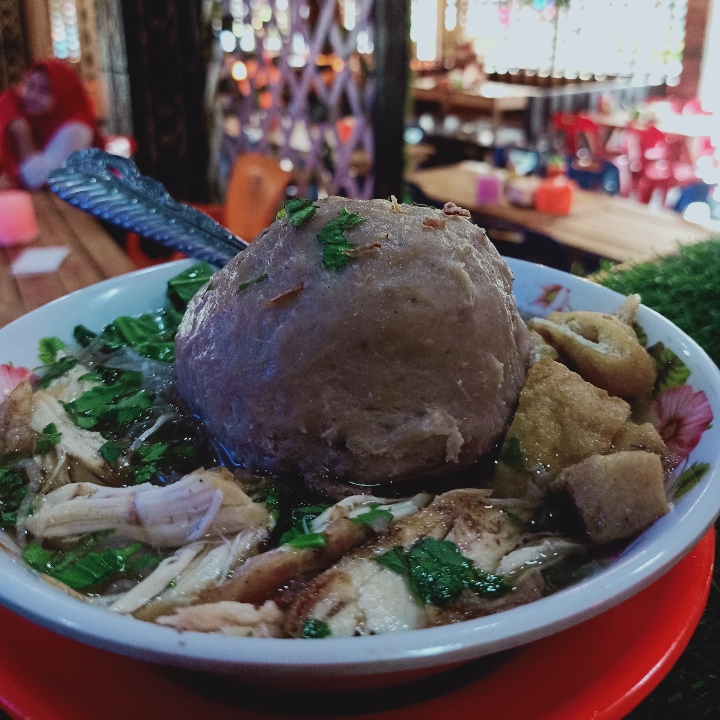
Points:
[[555, 196]]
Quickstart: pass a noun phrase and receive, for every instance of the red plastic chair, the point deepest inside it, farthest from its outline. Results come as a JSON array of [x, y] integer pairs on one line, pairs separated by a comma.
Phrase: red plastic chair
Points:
[[578, 128], [658, 162]]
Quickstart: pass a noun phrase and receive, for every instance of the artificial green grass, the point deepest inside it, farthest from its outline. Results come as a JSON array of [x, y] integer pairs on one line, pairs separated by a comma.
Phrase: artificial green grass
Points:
[[685, 288]]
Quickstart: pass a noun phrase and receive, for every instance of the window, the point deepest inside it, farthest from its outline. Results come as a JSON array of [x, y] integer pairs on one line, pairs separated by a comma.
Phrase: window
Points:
[[582, 39]]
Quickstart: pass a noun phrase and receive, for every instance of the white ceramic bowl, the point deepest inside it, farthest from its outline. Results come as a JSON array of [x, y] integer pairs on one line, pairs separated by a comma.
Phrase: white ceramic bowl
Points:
[[333, 664]]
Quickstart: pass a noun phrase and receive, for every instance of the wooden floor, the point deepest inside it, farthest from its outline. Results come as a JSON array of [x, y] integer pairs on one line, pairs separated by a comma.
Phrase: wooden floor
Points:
[[94, 256]]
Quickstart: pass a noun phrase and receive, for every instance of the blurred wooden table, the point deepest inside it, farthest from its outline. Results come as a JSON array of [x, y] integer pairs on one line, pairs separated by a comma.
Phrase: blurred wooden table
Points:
[[608, 226], [93, 256]]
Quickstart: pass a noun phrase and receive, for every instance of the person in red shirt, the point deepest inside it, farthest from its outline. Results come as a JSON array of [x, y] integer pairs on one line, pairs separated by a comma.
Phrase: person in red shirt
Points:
[[42, 122]]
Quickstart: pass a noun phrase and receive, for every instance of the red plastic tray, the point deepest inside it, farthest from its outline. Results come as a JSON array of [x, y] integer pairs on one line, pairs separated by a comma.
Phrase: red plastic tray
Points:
[[600, 669]]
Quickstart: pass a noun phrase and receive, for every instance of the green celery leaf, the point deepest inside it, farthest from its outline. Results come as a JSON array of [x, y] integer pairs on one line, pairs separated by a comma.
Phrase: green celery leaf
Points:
[[309, 540], [56, 369], [48, 349], [246, 285], [298, 211], [143, 473], [438, 573], [96, 568], [38, 558], [111, 451], [83, 336], [13, 488], [272, 503], [511, 454], [315, 629], [149, 335], [182, 288], [143, 562], [146, 460], [640, 334], [334, 242], [394, 560], [49, 439], [486, 584], [153, 452], [372, 516]]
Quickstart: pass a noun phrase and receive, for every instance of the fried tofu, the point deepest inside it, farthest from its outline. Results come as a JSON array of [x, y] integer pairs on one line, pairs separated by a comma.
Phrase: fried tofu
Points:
[[638, 437], [602, 348], [561, 419], [617, 496]]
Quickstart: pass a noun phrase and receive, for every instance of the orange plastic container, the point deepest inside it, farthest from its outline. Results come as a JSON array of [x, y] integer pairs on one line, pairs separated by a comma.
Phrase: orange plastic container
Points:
[[555, 196]]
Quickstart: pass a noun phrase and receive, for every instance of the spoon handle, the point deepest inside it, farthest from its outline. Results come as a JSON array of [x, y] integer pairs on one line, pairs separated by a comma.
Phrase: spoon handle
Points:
[[112, 188]]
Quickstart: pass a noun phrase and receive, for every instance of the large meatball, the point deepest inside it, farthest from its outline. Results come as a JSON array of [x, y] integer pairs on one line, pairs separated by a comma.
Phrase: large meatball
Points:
[[408, 360]]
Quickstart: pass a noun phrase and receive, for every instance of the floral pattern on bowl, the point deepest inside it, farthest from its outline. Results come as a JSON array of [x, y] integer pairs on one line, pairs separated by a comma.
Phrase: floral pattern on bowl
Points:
[[679, 413]]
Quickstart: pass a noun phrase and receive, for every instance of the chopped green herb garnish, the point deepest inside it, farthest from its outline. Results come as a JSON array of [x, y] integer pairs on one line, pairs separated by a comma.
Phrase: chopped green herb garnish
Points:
[[309, 540], [79, 568], [111, 451], [373, 516], [56, 369], [640, 334], [298, 211], [13, 488], [515, 519], [48, 349], [688, 479], [245, 285], [182, 288], [83, 336], [145, 463], [334, 242], [49, 439], [150, 335], [143, 562], [272, 503], [119, 403], [438, 573], [315, 629], [511, 454]]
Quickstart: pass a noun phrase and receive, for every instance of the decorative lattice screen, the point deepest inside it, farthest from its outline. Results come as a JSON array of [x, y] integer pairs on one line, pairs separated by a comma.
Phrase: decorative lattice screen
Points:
[[304, 78]]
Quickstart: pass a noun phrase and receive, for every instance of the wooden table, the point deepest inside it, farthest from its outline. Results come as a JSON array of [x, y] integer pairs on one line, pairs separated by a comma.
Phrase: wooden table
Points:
[[93, 256], [604, 225]]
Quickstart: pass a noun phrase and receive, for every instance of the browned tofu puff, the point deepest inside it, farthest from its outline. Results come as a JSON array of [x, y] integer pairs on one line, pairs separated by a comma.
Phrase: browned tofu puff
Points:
[[602, 348], [617, 496], [638, 437], [560, 420]]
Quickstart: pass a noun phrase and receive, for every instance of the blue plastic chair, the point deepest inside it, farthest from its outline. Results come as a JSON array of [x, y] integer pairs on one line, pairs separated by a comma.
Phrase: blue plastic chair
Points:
[[603, 175]]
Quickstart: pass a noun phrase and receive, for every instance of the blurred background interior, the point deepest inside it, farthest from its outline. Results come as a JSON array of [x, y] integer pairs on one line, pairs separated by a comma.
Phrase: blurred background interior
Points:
[[235, 105]]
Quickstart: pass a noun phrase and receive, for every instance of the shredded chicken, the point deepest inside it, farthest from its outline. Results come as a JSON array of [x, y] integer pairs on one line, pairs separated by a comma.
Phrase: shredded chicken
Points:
[[231, 618], [263, 576], [205, 503], [78, 444]]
